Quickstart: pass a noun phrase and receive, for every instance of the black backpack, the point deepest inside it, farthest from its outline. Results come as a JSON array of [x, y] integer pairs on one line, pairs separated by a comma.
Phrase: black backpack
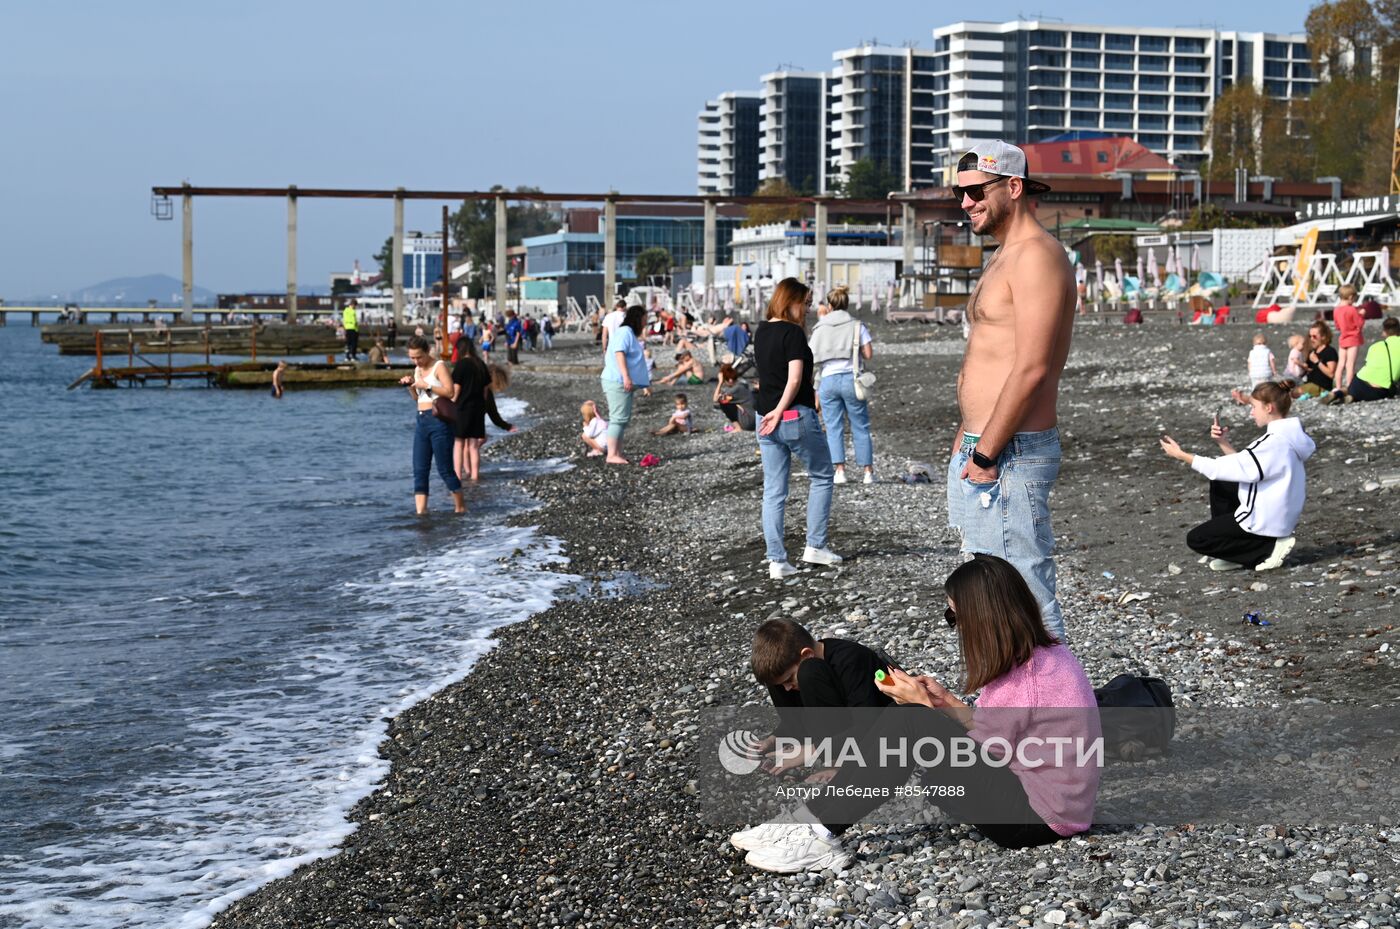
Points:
[[1137, 715]]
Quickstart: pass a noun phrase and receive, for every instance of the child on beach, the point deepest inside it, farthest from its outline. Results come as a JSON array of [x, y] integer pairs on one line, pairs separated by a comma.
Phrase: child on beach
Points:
[[1293, 370], [595, 429], [680, 418], [1260, 365], [800, 672], [1349, 323]]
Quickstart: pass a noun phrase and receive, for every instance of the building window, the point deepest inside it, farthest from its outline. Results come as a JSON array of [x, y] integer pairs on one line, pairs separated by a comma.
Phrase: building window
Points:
[[1117, 120], [1084, 60], [1085, 40], [1276, 88], [1152, 141], [1191, 85], [1190, 143], [1047, 118], [1152, 43], [1189, 123], [1044, 78], [1190, 105], [1118, 101], [1084, 120], [1047, 98], [1276, 69], [1123, 43], [1151, 122], [1300, 51], [1051, 37], [1066, 156], [1082, 79], [1152, 62], [1302, 90], [1118, 81], [1084, 101], [1303, 69], [1118, 62], [1188, 45], [1101, 157], [1043, 59], [1191, 65], [1152, 82], [1275, 50]]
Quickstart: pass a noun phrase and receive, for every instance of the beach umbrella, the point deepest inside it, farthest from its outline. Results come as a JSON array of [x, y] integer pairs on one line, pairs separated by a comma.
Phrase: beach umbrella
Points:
[[1142, 275], [1195, 258], [1385, 263], [1118, 269]]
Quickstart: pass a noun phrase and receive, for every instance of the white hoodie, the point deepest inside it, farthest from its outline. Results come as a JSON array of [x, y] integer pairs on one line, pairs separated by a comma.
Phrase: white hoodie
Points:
[[1270, 473]]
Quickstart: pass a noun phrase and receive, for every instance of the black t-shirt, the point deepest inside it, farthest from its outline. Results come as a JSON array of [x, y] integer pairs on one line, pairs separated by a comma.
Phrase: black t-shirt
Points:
[[1327, 355], [844, 676], [470, 374], [774, 345]]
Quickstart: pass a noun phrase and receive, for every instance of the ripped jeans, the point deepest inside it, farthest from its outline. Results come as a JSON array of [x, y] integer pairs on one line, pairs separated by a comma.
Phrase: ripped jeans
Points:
[[1010, 517]]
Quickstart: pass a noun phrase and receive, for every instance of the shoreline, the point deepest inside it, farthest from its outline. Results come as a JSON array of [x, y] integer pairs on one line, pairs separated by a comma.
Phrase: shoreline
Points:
[[549, 785]]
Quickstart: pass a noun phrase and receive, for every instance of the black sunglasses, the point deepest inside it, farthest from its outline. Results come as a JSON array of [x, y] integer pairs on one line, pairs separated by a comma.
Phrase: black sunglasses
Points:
[[950, 617], [976, 192]]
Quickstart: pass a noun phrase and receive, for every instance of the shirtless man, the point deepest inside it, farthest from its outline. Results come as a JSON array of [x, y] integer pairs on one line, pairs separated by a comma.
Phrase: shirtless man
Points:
[[1006, 455]]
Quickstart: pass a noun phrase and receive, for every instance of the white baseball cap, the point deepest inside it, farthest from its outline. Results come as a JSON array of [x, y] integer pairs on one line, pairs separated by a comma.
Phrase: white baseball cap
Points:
[[1003, 158]]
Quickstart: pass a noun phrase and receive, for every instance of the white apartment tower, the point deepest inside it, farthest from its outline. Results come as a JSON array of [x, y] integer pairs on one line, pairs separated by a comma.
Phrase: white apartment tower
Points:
[[792, 127], [727, 145], [1030, 81]]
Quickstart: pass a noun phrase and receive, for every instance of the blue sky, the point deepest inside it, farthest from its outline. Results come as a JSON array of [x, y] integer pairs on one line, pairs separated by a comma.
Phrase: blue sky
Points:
[[99, 102]]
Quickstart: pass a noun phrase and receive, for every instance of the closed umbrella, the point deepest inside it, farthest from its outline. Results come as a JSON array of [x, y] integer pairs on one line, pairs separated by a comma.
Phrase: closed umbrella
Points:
[[1195, 259], [1152, 265], [1118, 269], [1385, 264]]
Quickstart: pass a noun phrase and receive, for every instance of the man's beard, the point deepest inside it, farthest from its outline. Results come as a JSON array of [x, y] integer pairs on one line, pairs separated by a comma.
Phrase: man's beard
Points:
[[992, 220]]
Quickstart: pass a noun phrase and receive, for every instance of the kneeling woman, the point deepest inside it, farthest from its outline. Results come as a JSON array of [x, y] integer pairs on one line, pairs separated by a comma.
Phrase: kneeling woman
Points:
[[1256, 495], [1017, 789]]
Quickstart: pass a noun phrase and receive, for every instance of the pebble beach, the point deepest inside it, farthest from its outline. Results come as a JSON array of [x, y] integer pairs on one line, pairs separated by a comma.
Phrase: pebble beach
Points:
[[555, 785]]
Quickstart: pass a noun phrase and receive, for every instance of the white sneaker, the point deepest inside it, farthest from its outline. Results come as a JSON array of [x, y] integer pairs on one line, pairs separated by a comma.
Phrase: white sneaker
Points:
[[797, 847], [839, 477], [1281, 549], [820, 556], [1220, 564], [762, 835], [869, 477], [778, 570]]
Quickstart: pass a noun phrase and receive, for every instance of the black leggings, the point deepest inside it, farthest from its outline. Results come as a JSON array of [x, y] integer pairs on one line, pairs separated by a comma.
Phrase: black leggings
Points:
[[1361, 390], [993, 799], [352, 342], [1222, 537]]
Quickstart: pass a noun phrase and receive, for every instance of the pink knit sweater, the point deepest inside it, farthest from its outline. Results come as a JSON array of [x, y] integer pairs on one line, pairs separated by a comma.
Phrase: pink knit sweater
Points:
[[1048, 697]]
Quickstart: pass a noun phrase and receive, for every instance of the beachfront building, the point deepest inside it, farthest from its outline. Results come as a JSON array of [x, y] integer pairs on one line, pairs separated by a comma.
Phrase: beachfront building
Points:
[[881, 110], [727, 145], [792, 128], [862, 257], [680, 229], [1029, 81]]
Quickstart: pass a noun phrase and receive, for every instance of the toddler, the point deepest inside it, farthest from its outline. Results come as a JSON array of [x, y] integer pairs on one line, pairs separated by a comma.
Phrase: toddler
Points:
[[1293, 371], [595, 429], [680, 418], [1261, 367]]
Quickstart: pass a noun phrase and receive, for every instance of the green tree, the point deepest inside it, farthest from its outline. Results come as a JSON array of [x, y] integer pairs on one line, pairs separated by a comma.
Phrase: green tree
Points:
[[761, 214], [869, 180], [1337, 29], [1110, 247], [473, 229], [385, 257], [653, 262]]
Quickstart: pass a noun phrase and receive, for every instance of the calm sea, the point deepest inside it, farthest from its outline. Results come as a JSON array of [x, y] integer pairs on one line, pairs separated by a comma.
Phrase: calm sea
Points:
[[209, 602]]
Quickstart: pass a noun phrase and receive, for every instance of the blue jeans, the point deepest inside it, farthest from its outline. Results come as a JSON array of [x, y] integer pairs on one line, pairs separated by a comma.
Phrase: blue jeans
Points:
[[619, 407], [801, 437], [432, 438], [1010, 517], [838, 395]]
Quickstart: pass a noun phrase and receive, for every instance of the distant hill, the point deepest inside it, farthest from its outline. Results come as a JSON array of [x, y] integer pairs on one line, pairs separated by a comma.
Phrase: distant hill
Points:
[[132, 290]]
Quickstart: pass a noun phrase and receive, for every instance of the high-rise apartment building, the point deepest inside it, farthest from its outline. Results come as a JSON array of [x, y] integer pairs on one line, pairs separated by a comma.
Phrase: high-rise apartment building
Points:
[[1029, 81], [728, 148], [882, 98], [792, 123]]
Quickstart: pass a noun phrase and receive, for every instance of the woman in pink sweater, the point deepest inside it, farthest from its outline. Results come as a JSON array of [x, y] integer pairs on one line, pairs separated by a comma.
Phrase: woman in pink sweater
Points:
[[1034, 739]]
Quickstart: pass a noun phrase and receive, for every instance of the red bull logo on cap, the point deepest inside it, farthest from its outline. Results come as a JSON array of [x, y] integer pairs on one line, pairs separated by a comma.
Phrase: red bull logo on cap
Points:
[[988, 164]]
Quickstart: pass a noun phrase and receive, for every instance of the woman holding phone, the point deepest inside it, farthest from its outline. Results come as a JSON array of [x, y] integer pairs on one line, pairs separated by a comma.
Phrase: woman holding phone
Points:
[[789, 426]]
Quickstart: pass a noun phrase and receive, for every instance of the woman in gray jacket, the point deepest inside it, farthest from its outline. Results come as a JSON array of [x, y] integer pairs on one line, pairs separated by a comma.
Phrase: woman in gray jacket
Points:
[[833, 344]]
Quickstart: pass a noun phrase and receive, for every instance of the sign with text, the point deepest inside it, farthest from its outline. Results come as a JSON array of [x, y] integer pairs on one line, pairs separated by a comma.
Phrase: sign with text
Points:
[[1361, 206]]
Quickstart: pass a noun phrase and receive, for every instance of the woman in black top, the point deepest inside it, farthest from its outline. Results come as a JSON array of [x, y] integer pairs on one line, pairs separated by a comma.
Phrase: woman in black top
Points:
[[1321, 363], [790, 426], [470, 380]]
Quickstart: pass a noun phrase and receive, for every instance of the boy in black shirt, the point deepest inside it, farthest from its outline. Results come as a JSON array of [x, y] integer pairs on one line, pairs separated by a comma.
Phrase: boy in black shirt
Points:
[[803, 673]]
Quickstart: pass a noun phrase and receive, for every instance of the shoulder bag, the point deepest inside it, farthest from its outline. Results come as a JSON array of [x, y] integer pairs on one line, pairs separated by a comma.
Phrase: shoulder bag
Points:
[[864, 380]]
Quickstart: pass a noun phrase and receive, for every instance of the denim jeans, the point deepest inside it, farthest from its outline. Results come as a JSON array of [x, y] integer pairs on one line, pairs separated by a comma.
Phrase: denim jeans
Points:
[[801, 437], [432, 439], [1010, 517], [838, 395], [619, 407]]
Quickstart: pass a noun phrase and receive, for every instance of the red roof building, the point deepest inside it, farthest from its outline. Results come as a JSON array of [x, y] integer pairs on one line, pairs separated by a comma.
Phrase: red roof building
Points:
[[1090, 157]]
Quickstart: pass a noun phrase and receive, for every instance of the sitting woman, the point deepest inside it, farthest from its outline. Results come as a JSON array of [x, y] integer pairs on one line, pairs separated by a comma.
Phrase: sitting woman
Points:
[[688, 370], [1015, 788], [734, 399], [1256, 495]]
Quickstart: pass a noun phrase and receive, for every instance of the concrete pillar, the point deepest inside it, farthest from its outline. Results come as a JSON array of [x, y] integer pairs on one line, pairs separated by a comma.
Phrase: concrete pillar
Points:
[[291, 255], [187, 246], [609, 255], [907, 225], [711, 246], [501, 267], [821, 245], [398, 259]]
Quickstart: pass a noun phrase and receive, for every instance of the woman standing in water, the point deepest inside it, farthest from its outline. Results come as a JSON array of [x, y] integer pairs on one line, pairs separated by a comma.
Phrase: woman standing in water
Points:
[[470, 381], [432, 438]]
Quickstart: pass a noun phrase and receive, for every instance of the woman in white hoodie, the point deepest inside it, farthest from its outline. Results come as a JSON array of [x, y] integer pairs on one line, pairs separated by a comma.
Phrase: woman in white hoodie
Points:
[[833, 343], [1256, 495]]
